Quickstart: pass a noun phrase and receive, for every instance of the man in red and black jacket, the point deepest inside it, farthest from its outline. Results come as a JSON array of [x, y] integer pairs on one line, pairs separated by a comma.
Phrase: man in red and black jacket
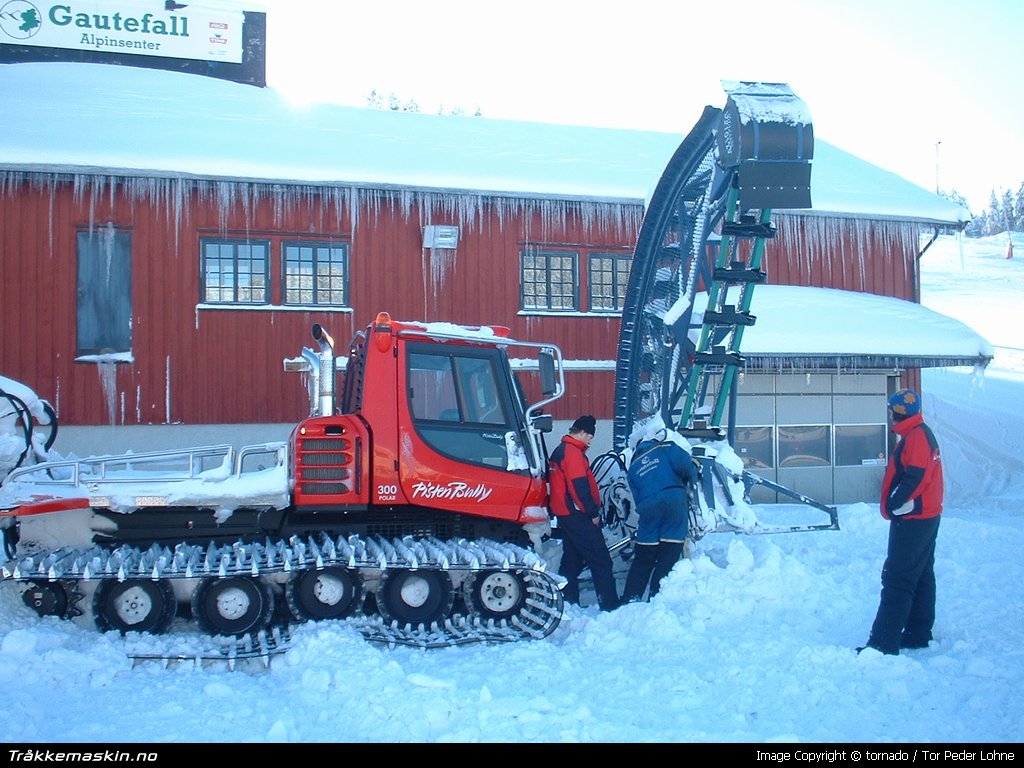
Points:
[[576, 503], [912, 503]]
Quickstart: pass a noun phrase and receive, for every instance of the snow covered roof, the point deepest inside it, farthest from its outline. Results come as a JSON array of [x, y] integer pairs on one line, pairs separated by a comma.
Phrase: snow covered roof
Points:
[[800, 328], [804, 328], [104, 119]]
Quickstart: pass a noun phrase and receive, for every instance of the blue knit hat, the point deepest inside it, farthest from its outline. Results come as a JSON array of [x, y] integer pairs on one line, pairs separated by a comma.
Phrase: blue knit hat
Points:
[[904, 403]]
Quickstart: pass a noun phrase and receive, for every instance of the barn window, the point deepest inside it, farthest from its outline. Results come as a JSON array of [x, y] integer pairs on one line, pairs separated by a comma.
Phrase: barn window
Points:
[[316, 273], [548, 280], [104, 310], [609, 274], [235, 271]]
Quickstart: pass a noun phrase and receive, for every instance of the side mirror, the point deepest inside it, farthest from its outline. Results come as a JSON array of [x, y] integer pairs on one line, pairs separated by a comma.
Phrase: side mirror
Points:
[[546, 366], [543, 422]]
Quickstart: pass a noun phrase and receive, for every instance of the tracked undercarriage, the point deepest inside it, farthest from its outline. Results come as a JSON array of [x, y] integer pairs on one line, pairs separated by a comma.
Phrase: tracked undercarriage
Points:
[[423, 592]]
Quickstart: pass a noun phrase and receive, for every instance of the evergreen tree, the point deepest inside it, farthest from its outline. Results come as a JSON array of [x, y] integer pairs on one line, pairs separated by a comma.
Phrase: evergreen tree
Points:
[[956, 198], [978, 225], [996, 219], [1018, 209], [1007, 205], [375, 101]]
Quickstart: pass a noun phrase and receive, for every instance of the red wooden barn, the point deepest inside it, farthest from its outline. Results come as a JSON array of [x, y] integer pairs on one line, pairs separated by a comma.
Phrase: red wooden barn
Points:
[[167, 240]]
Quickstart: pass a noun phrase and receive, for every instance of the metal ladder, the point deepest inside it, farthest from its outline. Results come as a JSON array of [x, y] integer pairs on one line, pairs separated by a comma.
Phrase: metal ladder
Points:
[[738, 268], [688, 298]]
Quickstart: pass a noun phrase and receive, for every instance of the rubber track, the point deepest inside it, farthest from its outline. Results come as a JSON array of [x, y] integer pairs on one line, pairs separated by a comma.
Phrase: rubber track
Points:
[[538, 618]]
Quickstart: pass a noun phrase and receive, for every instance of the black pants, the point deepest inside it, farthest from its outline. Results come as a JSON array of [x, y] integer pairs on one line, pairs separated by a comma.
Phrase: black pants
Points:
[[906, 611], [651, 563], [584, 546]]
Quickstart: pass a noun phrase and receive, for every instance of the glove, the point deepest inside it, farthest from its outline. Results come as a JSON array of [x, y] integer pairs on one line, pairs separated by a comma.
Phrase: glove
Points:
[[906, 509]]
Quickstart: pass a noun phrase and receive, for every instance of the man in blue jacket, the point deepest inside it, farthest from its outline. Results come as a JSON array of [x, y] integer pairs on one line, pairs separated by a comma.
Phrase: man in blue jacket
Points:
[[659, 477]]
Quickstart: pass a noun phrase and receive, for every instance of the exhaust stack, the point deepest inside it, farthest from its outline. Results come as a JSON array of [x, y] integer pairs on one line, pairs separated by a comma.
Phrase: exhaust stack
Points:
[[326, 376]]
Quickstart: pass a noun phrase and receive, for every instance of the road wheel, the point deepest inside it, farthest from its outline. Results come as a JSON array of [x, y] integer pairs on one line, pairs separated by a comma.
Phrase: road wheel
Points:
[[47, 598], [233, 606], [415, 597], [497, 594], [329, 593], [134, 605]]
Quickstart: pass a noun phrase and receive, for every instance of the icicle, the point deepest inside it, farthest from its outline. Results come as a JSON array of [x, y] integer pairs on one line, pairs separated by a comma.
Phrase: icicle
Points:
[[175, 197], [828, 244], [167, 390], [107, 372]]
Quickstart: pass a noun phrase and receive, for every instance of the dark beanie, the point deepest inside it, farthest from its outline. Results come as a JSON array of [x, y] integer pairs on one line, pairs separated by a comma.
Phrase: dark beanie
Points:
[[586, 424]]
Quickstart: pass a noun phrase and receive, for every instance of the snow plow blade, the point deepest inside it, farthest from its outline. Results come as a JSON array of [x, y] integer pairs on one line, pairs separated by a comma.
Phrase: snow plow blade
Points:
[[726, 495], [751, 479]]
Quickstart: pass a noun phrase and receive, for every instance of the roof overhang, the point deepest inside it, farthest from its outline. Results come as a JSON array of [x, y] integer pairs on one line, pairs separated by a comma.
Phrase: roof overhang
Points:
[[857, 363]]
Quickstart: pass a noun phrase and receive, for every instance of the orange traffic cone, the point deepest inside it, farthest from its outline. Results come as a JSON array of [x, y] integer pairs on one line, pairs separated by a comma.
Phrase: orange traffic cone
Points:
[[1009, 250]]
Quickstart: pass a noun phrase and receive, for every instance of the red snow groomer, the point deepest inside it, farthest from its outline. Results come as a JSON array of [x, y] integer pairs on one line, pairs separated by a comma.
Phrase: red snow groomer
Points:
[[408, 500]]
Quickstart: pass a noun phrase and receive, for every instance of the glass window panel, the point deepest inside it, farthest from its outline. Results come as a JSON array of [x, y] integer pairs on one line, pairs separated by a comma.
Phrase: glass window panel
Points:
[[478, 382], [104, 291], [316, 273], [432, 388], [860, 444], [805, 446], [609, 275], [549, 280], [755, 446], [235, 271]]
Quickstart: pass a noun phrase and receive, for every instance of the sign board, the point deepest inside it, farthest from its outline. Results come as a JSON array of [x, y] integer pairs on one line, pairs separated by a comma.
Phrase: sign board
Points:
[[174, 30]]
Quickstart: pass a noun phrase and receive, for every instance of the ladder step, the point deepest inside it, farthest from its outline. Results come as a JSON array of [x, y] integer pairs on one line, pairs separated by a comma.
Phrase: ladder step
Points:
[[738, 272], [748, 227], [719, 356], [702, 432], [728, 316]]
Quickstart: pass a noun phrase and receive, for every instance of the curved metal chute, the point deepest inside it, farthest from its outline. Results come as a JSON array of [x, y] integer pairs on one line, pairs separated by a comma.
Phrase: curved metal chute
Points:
[[700, 247], [698, 258]]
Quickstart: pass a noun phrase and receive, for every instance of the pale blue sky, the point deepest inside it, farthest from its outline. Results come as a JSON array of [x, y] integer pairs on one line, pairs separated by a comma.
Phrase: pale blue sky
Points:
[[928, 90]]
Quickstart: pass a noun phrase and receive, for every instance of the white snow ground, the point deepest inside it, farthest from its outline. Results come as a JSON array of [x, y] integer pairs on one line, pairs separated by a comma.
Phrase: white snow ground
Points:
[[750, 641]]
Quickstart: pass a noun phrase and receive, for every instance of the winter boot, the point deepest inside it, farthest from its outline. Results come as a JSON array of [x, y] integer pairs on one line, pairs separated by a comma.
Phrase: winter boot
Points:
[[669, 553], [912, 641], [644, 560]]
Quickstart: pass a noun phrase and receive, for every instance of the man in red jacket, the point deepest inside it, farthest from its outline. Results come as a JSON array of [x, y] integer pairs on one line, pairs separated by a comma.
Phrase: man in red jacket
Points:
[[912, 503], [576, 504]]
